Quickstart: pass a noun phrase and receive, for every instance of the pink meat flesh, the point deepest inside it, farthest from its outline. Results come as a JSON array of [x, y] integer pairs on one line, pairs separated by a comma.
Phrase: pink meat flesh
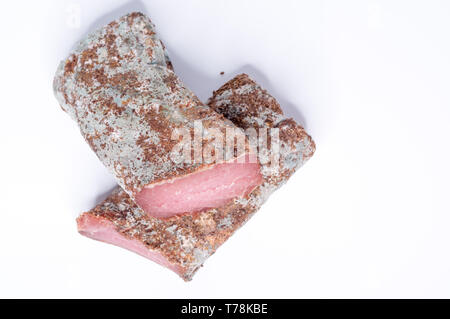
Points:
[[209, 188], [103, 230]]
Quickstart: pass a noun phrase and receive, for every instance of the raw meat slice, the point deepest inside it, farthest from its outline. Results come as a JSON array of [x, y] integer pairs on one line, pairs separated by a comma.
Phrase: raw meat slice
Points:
[[210, 188], [120, 88], [104, 230], [183, 243]]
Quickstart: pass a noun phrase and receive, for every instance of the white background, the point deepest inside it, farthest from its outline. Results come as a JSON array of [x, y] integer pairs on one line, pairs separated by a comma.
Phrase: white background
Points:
[[367, 216]]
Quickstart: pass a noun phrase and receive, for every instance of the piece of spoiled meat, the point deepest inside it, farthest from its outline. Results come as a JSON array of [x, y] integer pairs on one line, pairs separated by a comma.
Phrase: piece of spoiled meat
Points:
[[120, 88], [183, 243], [249, 106]]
